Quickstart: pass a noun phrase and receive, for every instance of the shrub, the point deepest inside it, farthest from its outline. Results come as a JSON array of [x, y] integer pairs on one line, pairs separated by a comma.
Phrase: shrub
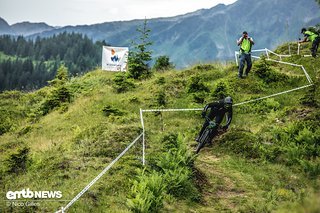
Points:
[[109, 110], [221, 90], [199, 97], [198, 89], [267, 74], [174, 145], [5, 124], [147, 193], [161, 81], [58, 97], [61, 77], [178, 182], [312, 168], [121, 83], [163, 63], [134, 99], [172, 175], [204, 67], [296, 144], [161, 98], [241, 142], [16, 161], [261, 107], [196, 85], [170, 142], [309, 98], [60, 94], [176, 164], [266, 105]]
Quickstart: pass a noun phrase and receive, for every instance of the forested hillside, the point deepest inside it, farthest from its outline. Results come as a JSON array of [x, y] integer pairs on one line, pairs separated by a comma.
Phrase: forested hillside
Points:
[[29, 64], [210, 34], [62, 136]]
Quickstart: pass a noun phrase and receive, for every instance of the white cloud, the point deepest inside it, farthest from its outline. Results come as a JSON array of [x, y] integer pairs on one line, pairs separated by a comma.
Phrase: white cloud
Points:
[[75, 12]]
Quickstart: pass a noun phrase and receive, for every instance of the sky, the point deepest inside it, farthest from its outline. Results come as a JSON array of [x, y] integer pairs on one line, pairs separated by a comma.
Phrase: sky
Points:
[[79, 12]]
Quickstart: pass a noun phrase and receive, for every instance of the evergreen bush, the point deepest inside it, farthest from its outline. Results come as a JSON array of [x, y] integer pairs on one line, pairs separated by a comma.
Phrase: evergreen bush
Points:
[[17, 160], [309, 99], [221, 91], [121, 83], [109, 110], [163, 63], [196, 85], [139, 58], [263, 70], [60, 94]]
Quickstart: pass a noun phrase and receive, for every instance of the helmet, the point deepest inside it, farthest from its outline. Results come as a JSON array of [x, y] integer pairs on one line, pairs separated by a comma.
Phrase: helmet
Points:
[[303, 30], [228, 100]]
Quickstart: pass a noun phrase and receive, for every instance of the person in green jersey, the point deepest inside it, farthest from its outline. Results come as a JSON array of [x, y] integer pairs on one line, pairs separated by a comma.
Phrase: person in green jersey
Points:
[[245, 43], [314, 38]]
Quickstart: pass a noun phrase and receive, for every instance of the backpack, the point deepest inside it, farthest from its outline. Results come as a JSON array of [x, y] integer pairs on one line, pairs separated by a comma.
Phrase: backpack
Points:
[[314, 29]]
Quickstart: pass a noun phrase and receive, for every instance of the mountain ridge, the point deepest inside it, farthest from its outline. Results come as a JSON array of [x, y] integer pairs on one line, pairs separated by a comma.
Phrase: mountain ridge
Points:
[[27, 28], [209, 34]]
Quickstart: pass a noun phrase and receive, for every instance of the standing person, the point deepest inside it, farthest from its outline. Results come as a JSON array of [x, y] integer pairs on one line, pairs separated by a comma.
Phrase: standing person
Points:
[[245, 43], [314, 38]]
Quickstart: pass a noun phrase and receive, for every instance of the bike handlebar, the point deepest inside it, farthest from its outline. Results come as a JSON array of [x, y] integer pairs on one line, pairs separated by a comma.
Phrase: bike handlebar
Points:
[[219, 127]]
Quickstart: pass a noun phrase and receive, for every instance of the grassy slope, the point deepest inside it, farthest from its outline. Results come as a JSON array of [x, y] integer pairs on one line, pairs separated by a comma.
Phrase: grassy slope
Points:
[[68, 149]]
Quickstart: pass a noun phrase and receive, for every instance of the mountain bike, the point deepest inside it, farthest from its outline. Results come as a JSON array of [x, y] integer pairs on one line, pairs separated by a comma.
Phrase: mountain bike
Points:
[[209, 132]]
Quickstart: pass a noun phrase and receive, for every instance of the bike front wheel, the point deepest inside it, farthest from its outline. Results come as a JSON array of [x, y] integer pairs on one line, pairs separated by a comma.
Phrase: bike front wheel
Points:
[[205, 138]]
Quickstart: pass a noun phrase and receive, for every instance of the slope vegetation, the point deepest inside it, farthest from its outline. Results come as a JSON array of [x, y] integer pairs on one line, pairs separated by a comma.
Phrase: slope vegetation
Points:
[[267, 161]]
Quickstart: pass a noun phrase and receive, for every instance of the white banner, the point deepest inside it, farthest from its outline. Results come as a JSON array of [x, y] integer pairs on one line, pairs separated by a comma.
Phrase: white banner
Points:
[[114, 58]]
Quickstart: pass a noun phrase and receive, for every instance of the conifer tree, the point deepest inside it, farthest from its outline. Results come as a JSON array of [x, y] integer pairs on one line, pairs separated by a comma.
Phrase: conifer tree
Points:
[[61, 76], [140, 57], [60, 95]]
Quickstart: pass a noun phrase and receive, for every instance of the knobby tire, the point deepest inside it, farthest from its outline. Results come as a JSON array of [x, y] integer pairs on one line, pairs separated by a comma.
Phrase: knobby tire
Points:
[[205, 137]]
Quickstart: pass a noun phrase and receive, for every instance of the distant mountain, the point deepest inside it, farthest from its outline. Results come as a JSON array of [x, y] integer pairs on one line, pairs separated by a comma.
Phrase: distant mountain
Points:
[[23, 28], [210, 34], [27, 28], [4, 27]]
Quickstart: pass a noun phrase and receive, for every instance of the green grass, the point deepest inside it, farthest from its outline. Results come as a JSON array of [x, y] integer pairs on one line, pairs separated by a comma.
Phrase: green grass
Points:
[[248, 169]]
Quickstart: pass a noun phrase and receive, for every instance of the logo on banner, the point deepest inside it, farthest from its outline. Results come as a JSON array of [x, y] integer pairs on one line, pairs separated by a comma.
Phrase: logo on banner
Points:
[[114, 57]]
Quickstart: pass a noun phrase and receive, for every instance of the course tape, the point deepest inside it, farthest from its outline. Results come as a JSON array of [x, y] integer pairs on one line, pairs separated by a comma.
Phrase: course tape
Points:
[[191, 109], [237, 104], [99, 176], [249, 101], [273, 95], [169, 110]]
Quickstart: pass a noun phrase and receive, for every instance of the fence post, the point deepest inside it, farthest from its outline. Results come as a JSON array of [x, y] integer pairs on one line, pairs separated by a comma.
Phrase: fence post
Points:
[[236, 56], [267, 53], [143, 137]]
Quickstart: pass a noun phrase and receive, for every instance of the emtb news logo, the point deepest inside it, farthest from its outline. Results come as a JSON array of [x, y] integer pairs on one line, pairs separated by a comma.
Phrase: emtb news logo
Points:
[[27, 193]]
